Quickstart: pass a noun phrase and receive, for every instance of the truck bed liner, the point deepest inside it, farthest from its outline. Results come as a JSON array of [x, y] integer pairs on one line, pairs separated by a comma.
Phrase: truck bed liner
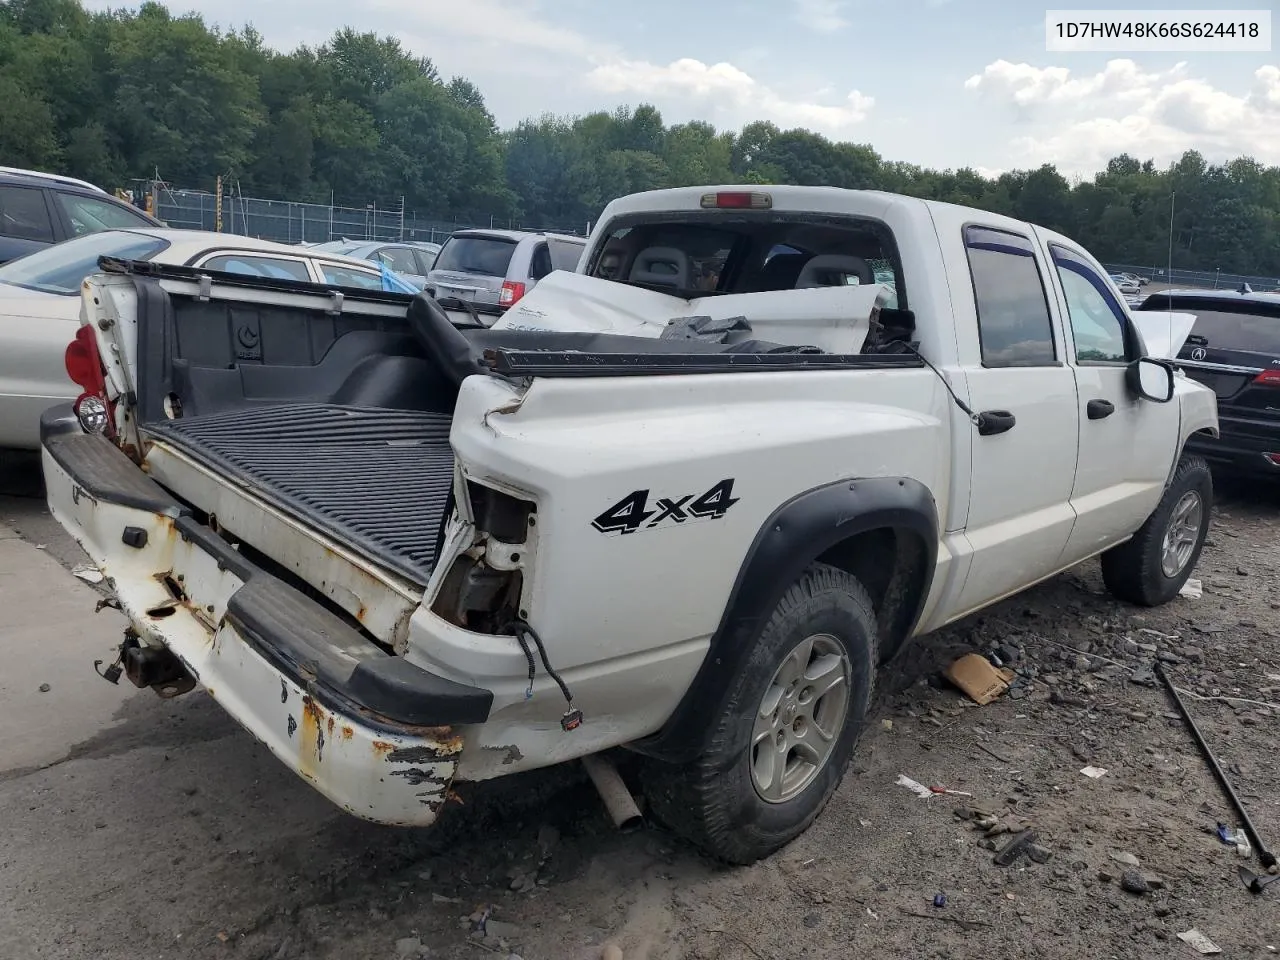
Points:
[[378, 480]]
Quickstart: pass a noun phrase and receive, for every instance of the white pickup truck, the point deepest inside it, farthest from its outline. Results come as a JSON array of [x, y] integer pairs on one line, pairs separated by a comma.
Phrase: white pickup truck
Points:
[[685, 501]]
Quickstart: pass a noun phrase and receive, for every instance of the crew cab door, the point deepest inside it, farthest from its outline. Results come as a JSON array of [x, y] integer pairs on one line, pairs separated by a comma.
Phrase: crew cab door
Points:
[[1127, 444], [1012, 355]]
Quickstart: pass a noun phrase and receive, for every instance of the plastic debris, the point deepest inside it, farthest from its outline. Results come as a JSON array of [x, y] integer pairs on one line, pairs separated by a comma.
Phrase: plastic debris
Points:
[[1197, 940], [1193, 589], [87, 572], [1241, 840], [940, 900], [919, 789], [949, 793], [1225, 834], [1094, 773]]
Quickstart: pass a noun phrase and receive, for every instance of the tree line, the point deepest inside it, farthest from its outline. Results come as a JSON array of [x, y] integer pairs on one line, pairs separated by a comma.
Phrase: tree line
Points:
[[118, 95]]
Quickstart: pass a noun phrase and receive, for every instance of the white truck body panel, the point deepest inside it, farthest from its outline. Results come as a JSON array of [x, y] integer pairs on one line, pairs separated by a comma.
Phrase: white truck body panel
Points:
[[630, 618]]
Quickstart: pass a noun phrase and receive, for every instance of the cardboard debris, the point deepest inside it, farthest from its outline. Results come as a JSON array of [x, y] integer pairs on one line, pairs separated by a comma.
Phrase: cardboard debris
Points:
[[919, 789], [1193, 589], [1194, 938], [982, 682]]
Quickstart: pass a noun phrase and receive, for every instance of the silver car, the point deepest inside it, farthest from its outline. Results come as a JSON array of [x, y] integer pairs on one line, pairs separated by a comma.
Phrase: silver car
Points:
[[493, 269], [40, 303], [411, 259]]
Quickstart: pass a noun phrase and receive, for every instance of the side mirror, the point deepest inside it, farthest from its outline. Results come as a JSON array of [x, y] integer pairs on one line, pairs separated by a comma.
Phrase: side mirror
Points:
[[1151, 379]]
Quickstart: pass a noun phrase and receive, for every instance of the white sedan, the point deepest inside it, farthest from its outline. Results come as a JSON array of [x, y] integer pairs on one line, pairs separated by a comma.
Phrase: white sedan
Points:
[[40, 303]]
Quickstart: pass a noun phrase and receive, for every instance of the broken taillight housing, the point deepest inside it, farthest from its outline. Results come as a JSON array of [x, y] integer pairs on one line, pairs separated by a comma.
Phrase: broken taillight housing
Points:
[[84, 367], [511, 292]]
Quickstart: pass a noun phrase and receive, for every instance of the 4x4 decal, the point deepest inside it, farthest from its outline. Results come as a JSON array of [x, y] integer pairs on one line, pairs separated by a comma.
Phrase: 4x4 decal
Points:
[[634, 511]]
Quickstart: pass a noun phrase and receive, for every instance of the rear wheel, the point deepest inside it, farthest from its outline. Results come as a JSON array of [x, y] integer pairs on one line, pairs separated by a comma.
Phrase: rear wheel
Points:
[[1151, 568], [785, 736]]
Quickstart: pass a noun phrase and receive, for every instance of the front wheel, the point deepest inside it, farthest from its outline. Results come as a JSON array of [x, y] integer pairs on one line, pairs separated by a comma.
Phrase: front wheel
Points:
[[1151, 568], [782, 743]]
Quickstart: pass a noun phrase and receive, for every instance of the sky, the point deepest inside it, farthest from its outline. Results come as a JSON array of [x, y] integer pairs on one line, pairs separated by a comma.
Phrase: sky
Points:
[[940, 83]]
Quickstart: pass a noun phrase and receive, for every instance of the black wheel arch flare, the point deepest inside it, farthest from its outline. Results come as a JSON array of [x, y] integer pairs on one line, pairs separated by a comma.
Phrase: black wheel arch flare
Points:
[[799, 532]]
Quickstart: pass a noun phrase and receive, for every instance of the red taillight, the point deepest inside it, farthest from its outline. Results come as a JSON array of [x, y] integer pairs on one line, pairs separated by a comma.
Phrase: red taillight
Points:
[[1268, 378], [84, 365], [737, 200], [511, 292], [1273, 457]]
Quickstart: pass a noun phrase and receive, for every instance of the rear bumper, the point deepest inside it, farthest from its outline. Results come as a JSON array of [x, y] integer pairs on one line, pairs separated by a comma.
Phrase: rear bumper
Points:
[[371, 731], [1242, 447]]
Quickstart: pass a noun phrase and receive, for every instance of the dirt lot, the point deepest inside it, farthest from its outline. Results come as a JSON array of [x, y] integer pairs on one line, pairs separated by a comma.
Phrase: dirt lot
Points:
[[174, 835]]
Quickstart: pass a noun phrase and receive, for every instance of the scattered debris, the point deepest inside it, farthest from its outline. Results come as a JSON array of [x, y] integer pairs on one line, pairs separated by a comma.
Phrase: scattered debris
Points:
[[1131, 881], [1039, 854], [45, 688], [548, 840], [919, 789], [886, 725], [944, 917], [87, 572], [1128, 859], [940, 900], [980, 681], [409, 947], [1241, 841], [1014, 848], [1193, 589], [1094, 773], [1267, 858], [949, 793], [1194, 938], [1253, 882], [611, 951]]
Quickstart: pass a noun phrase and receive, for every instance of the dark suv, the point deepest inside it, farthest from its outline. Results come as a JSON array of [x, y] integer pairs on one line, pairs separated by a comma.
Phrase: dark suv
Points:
[[1234, 349], [39, 209]]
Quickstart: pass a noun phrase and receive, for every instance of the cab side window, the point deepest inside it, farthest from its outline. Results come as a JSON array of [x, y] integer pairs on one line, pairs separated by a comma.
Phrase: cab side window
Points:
[[1098, 322], [1014, 326]]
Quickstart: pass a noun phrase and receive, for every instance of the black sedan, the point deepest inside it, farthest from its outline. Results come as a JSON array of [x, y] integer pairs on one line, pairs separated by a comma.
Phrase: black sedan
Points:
[[1234, 349]]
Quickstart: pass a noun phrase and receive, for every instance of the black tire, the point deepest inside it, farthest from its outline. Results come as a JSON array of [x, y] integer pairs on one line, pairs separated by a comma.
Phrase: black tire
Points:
[[713, 801], [1133, 571]]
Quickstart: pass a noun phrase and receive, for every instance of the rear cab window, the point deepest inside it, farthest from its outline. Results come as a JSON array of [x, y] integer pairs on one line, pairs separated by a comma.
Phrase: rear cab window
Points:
[[24, 214], [1014, 324], [482, 255], [694, 255]]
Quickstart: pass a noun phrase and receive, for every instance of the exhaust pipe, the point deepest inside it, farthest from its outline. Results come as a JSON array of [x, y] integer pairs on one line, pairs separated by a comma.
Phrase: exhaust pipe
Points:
[[617, 798]]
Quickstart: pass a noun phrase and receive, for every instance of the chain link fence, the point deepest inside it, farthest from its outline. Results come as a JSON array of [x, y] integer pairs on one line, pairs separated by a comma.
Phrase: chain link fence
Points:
[[1204, 279], [287, 221]]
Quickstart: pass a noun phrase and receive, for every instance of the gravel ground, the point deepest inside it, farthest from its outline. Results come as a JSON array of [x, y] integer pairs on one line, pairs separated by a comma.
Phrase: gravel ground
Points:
[[175, 835]]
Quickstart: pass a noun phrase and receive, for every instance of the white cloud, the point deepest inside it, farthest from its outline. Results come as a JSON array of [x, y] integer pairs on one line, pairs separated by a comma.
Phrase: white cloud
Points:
[[824, 16], [1080, 121], [730, 92]]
